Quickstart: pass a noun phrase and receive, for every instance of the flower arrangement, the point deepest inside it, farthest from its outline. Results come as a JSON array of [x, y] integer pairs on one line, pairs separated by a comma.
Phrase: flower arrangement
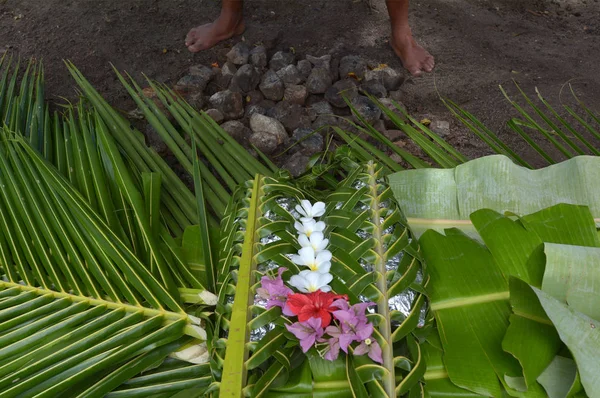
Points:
[[325, 320]]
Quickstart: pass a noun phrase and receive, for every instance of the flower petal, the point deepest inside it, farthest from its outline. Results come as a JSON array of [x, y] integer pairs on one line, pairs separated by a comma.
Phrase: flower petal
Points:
[[307, 254], [299, 283], [318, 209], [375, 352], [323, 256], [362, 349], [304, 241], [324, 268]]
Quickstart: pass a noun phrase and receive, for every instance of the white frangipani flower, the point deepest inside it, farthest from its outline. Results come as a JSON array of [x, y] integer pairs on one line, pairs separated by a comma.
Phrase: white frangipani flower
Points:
[[309, 226], [309, 211], [319, 262], [310, 281], [316, 241]]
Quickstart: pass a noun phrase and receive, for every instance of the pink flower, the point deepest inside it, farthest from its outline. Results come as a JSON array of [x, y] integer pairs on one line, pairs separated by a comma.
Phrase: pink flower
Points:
[[307, 332], [334, 349], [371, 347], [275, 292]]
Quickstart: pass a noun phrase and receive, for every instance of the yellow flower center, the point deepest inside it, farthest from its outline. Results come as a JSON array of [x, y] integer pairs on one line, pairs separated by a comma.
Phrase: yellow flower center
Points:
[[368, 341], [313, 266]]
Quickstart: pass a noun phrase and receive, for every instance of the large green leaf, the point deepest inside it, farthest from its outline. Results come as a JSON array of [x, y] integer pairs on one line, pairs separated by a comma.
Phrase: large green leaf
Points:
[[445, 198]]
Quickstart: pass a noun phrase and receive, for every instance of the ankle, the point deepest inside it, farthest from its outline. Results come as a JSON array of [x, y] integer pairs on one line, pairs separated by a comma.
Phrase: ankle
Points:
[[229, 18]]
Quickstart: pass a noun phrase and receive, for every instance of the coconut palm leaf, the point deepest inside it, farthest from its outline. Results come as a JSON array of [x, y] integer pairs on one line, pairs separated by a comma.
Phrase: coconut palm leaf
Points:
[[373, 259]]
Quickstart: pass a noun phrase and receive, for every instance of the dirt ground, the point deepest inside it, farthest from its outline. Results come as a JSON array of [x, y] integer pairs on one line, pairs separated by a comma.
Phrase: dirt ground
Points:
[[478, 45]]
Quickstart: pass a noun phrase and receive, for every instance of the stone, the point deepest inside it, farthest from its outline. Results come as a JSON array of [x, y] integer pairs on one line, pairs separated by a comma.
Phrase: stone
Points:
[[309, 141], [237, 130], [352, 64], [366, 108], [203, 71], [190, 83], [290, 115], [261, 124], [374, 88], [267, 103], [440, 127], [334, 69], [254, 97], [390, 105], [239, 54], [195, 99], [395, 135], [396, 95], [322, 108], [229, 103], [272, 86], [319, 81], [323, 123], [295, 94], [379, 125], [387, 76], [340, 89], [252, 109], [297, 164], [264, 142], [154, 141], [215, 115], [320, 62], [258, 57], [246, 78], [290, 75], [223, 79], [304, 67], [281, 59]]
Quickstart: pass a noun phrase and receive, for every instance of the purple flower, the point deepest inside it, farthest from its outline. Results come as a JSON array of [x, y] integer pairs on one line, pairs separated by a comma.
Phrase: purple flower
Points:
[[275, 292], [307, 332], [334, 349], [371, 347]]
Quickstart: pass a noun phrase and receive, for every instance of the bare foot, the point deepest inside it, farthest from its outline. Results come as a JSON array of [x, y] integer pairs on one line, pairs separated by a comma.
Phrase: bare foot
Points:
[[206, 36], [414, 57]]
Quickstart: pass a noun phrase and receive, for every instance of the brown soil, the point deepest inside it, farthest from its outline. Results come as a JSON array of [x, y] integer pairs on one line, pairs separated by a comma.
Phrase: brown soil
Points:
[[478, 45]]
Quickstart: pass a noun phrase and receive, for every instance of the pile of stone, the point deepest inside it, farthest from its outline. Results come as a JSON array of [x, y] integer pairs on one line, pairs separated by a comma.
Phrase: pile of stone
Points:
[[278, 102]]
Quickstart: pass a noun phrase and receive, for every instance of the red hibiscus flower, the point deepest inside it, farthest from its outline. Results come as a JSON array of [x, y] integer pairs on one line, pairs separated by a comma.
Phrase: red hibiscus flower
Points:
[[314, 305]]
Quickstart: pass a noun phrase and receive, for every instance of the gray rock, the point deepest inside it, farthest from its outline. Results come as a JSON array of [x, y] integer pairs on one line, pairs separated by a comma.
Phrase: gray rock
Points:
[[281, 59], [254, 97], [272, 86], [190, 83], [239, 54], [334, 69], [352, 64], [223, 79], [322, 108], [258, 57], [252, 109], [396, 95], [320, 62], [215, 115], [195, 99], [395, 135], [290, 115], [296, 164], [204, 72], [264, 142], [374, 88], [237, 130], [154, 141], [309, 141], [440, 127], [389, 104], [387, 76], [366, 108], [343, 88], [260, 124], [304, 67], [229, 103], [246, 78], [295, 94], [323, 123], [267, 104], [290, 75], [319, 81]]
